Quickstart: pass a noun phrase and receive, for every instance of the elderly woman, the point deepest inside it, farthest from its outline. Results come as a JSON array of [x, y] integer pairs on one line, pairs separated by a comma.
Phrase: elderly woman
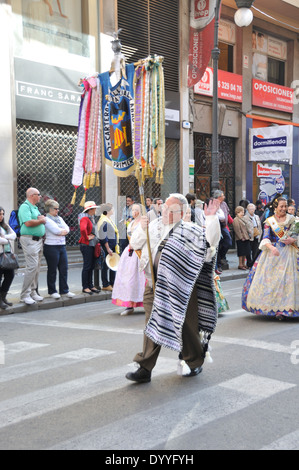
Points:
[[272, 285], [242, 237], [109, 238], [55, 251], [7, 236]]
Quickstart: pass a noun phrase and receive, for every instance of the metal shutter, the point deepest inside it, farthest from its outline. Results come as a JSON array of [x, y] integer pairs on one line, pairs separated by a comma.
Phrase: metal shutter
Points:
[[151, 27]]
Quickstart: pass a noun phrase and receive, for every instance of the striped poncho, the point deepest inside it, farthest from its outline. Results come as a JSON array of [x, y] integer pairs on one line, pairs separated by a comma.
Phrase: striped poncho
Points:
[[182, 268]]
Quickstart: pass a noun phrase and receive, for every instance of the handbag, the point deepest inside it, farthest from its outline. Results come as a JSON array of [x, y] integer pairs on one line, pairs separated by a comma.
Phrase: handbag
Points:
[[9, 261], [256, 232], [97, 250]]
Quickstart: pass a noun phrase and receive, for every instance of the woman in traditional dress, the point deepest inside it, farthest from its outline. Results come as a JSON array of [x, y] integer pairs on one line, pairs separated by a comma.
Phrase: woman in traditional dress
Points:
[[129, 283], [272, 285], [107, 233]]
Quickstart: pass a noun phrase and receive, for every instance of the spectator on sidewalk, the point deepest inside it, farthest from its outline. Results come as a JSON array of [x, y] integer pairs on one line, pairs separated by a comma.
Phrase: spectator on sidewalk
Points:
[[148, 203], [32, 225], [107, 233], [242, 237], [253, 221], [7, 237], [192, 202], [55, 251], [125, 220], [226, 239], [87, 242], [156, 209]]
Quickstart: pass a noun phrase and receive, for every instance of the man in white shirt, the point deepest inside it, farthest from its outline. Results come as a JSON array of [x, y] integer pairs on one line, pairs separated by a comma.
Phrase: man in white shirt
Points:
[[191, 241]]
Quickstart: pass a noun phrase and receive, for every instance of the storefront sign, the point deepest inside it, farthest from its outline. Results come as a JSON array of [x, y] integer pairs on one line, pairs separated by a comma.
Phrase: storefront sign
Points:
[[269, 187], [230, 85], [202, 12], [271, 144], [266, 171], [272, 96], [47, 94]]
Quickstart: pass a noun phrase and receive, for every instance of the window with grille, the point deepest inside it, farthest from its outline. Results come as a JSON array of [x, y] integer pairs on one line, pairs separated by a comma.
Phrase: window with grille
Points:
[[45, 159]]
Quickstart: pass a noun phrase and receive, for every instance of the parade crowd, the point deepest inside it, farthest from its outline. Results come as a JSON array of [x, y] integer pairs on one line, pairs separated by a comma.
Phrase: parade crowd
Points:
[[142, 270], [170, 263]]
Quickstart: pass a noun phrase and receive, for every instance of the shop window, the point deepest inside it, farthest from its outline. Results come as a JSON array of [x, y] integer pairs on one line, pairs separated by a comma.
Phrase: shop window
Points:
[[226, 57], [269, 57], [276, 71]]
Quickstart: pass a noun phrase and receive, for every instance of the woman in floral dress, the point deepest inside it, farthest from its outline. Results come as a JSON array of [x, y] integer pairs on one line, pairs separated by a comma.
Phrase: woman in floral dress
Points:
[[272, 285]]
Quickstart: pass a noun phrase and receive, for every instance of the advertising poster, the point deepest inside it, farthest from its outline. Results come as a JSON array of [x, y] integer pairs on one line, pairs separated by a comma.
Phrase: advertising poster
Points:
[[271, 144]]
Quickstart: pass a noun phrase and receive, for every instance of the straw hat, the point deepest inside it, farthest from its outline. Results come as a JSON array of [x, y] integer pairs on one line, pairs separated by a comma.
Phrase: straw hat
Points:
[[89, 205], [112, 261]]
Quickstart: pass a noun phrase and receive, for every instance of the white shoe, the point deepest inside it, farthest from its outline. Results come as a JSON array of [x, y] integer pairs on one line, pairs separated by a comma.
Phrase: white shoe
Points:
[[36, 297], [55, 295], [128, 311], [70, 294], [28, 301]]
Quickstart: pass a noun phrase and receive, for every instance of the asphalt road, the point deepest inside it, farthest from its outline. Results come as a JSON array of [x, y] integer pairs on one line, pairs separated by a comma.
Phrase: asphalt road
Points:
[[63, 385]]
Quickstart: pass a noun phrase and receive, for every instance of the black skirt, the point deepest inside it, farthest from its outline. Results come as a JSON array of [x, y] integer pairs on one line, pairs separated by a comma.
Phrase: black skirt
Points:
[[243, 247]]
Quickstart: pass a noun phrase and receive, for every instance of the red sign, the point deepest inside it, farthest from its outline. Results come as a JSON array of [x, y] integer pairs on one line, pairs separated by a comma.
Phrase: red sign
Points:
[[200, 48], [266, 171], [272, 96], [230, 85]]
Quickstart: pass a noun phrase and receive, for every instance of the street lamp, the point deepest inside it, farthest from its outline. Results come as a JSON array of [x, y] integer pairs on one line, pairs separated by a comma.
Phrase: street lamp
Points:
[[243, 17]]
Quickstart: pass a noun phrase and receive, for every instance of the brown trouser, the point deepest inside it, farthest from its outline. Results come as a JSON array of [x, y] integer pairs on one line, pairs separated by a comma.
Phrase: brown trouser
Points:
[[192, 351]]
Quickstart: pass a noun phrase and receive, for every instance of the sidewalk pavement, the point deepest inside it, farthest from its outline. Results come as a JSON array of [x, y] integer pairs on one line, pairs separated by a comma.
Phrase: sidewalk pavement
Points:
[[74, 281]]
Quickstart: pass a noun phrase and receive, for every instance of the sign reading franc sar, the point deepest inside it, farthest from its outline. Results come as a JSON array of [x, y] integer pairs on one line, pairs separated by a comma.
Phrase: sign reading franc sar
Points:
[[41, 92]]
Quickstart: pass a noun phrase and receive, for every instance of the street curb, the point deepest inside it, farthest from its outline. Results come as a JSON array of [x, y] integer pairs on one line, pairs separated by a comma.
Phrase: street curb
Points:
[[49, 303]]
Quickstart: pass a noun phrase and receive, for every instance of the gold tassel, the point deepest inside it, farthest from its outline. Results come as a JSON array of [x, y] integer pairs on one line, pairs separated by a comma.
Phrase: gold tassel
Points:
[[157, 177], [92, 180], [98, 179], [74, 198], [161, 177], [87, 185], [83, 200], [84, 180], [142, 176]]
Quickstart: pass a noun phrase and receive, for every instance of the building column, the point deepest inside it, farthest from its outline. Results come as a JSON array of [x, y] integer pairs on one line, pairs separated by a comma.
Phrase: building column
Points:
[[7, 114]]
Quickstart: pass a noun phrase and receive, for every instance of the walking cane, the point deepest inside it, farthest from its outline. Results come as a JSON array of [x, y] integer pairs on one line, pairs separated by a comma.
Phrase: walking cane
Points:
[[141, 193]]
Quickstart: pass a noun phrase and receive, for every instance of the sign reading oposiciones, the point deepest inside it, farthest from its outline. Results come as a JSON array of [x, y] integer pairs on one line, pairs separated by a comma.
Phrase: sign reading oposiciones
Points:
[[272, 96]]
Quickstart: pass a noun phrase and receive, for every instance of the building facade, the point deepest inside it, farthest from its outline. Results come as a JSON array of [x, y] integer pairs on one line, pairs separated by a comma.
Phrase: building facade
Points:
[[49, 46]]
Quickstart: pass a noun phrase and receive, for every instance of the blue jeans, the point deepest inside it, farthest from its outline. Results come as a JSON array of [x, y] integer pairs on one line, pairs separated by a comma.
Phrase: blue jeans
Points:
[[56, 258], [108, 276], [224, 245], [88, 266], [7, 275]]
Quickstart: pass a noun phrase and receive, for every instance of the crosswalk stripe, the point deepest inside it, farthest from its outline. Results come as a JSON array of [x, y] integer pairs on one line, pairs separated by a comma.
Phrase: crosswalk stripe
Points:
[[209, 405], [42, 365], [22, 346], [34, 404], [274, 347], [79, 326], [287, 442]]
